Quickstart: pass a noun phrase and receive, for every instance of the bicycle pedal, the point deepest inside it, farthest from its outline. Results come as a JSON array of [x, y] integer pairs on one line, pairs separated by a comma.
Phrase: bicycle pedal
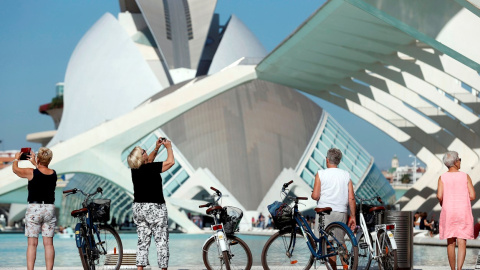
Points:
[[363, 245]]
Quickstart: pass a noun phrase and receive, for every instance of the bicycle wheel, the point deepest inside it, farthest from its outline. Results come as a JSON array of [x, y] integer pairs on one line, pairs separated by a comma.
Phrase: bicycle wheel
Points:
[[389, 256], [239, 257], [280, 253], [82, 250], [345, 253], [109, 248], [364, 255]]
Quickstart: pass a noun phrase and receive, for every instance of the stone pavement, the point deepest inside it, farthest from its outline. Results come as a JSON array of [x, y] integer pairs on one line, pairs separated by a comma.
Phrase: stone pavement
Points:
[[203, 268]]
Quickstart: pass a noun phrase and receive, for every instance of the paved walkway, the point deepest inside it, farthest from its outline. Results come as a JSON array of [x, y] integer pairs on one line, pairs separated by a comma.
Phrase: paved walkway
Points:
[[203, 268]]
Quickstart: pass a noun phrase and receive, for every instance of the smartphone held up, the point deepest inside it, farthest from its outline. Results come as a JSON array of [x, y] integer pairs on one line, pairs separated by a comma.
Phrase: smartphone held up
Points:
[[25, 153]]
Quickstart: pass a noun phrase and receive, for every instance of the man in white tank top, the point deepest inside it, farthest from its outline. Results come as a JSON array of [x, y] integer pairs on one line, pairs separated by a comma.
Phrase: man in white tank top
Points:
[[333, 188]]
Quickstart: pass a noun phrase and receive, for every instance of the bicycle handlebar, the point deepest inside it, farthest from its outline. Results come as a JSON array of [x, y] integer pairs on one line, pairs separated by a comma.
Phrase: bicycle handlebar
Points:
[[378, 198], [219, 194], [73, 191], [287, 184]]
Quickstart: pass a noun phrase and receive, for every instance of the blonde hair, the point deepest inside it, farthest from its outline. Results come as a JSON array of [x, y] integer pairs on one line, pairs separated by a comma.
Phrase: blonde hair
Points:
[[44, 156], [135, 159]]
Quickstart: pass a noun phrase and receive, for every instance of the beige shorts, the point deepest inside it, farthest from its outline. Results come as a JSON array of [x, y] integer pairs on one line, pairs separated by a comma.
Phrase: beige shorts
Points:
[[40, 217]]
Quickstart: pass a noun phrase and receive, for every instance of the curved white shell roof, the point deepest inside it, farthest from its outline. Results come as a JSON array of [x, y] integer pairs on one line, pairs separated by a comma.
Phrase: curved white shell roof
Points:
[[237, 42], [105, 78]]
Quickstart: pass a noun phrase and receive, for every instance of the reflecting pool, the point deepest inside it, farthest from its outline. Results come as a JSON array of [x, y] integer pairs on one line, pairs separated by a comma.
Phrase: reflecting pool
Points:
[[185, 250]]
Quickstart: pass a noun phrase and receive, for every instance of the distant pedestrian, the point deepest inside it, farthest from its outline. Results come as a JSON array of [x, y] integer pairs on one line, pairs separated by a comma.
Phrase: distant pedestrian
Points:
[[40, 215], [261, 221], [416, 220], [149, 209], [455, 193]]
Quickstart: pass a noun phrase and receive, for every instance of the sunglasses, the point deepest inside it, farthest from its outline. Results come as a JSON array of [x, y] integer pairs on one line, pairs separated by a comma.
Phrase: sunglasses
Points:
[[459, 159], [144, 151]]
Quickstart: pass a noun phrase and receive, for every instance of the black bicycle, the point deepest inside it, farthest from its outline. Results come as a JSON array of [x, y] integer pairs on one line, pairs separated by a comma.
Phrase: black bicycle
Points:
[[98, 244], [295, 246]]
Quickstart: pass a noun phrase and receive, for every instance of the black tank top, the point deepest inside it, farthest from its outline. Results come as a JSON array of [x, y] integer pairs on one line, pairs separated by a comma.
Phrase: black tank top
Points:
[[42, 187]]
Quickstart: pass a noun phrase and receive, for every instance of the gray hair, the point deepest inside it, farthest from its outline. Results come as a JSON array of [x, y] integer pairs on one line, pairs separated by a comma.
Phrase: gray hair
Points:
[[450, 158], [334, 156]]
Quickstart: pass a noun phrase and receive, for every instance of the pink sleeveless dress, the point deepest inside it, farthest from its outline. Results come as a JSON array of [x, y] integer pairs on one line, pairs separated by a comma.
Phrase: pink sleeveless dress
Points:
[[456, 219]]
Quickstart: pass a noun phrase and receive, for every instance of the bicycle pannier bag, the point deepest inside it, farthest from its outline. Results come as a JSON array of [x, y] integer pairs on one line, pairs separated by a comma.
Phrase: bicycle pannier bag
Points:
[[100, 209], [281, 214], [231, 217]]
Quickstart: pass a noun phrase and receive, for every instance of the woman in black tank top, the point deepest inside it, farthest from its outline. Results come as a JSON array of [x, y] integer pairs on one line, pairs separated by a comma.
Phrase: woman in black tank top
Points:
[[40, 215], [149, 209]]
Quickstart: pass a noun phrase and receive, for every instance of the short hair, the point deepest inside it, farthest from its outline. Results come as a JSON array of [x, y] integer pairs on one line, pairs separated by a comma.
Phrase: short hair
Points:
[[334, 156], [135, 158], [44, 156], [450, 158]]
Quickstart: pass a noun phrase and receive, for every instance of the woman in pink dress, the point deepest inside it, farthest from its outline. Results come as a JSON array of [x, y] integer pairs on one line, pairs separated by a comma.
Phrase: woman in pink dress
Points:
[[455, 191]]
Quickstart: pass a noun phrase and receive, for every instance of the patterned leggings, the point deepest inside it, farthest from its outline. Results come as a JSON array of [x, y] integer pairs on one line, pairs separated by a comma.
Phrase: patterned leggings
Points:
[[151, 218]]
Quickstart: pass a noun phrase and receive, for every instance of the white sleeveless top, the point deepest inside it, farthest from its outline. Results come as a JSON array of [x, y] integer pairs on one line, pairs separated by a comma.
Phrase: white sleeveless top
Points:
[[334, 189]]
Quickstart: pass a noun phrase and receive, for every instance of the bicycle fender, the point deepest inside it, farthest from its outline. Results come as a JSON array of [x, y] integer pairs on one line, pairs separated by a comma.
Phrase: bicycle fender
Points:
[[359, 235], [78, 237], [350, 233], [203, 247], [392, 240]]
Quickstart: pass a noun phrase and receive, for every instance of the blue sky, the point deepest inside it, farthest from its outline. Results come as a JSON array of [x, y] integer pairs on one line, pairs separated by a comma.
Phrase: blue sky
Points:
[[38, 37]]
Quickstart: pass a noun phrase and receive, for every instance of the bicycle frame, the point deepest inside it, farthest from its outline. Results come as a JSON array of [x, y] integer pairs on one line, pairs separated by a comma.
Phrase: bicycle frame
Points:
[[302, 224], [86, 223], [91, 231], [377, 250], [217, 228]]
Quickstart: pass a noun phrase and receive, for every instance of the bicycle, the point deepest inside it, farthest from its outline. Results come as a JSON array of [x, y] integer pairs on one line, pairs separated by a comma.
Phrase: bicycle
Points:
[[282, 252], [380, 245], [99, 245], [223, 250]]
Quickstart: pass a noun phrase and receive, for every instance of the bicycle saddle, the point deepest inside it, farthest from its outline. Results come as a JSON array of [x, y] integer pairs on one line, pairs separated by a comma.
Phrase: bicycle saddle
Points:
[[323, 211], [211, 209], [79, 212], [376, 209]]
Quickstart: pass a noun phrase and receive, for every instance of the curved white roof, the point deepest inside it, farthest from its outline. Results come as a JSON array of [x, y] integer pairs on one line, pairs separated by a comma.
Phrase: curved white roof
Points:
[[237, 42], [106, 77]]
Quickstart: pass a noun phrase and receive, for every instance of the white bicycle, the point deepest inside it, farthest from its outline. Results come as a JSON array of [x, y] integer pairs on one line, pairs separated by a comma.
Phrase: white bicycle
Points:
[[223, 250], [376, 242]]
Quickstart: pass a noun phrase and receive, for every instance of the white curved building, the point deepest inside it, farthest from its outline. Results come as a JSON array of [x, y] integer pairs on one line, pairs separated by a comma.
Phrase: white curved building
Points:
[[167, 68], [401, 66]]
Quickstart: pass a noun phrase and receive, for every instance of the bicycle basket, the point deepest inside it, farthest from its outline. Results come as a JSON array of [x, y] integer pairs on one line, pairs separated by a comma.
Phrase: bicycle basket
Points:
[[281, 214], [230, 217], [100, 209]]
